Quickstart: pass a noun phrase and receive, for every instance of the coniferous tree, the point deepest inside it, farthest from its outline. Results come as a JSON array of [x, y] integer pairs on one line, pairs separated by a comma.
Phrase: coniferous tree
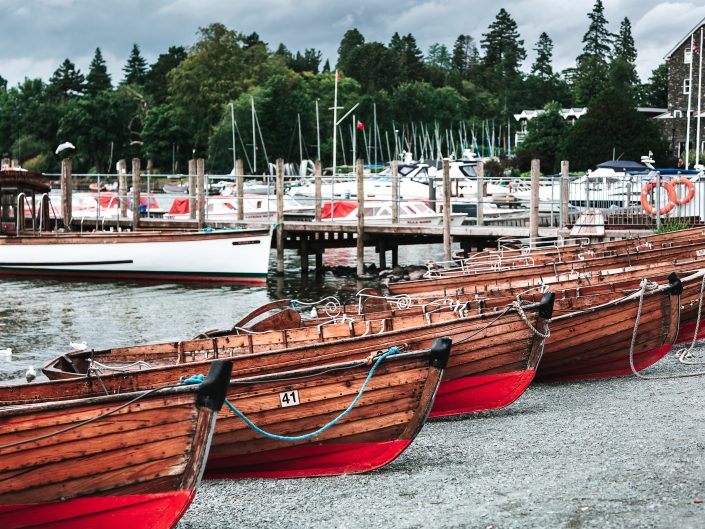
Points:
[[592, 71], [156, 81], [66, 81], [98, 78], [351, 40], [655, 92], [622, 72], [136, 67], [411, 59], [465, 56], [542, 67], [504, 52], [326, 66]]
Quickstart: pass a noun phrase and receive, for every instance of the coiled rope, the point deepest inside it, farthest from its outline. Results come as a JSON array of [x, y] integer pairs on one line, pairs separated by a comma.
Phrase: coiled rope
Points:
[[394, 350], [685, 355], [643, 288]]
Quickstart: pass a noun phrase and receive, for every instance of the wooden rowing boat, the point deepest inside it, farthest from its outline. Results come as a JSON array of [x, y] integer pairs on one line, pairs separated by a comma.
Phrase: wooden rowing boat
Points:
[[379, 427], [494, 354], [547, 271], [107, 461], [579, 346]]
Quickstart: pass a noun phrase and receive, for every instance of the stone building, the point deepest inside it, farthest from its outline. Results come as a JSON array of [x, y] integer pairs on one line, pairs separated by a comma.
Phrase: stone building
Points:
[[684, 66]]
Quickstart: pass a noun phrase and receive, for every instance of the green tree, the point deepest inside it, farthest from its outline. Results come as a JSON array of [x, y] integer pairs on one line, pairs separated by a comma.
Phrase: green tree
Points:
[[655, 92], [410, 59], [135, 69], [98, 78], [542, 67], [439, 64], [351, 40], [545, 136], [374, 66], [465, 56], [592, 72], [66, 82], [622, 71], [612, 124], [156, 82], [166, 138], [504, 52], [217, 69]]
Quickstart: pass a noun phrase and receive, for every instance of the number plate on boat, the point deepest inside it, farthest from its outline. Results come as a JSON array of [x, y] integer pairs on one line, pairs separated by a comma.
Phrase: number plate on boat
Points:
[[289, 398]]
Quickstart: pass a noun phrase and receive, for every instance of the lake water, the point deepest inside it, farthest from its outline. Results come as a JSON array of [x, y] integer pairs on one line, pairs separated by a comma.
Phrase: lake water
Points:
[[38, 317]]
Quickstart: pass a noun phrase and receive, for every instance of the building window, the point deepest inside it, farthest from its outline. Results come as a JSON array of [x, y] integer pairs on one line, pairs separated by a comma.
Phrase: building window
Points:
[[686, 86], [687, 56], [677, 113]]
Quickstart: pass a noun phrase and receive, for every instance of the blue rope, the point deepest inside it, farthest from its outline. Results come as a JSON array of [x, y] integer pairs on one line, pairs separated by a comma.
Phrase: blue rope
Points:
[[393, 350]]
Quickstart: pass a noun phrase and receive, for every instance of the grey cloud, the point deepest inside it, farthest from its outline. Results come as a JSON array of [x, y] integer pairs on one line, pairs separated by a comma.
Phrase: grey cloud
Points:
[[39, 34]]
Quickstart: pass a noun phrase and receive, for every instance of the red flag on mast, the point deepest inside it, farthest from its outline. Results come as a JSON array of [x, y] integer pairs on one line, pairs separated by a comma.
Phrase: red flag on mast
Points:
[[360, 125]]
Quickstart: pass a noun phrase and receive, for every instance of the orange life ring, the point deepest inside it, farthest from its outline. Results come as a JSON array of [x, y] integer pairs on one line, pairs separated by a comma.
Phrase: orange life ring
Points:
[[644, 198], [683, 180]]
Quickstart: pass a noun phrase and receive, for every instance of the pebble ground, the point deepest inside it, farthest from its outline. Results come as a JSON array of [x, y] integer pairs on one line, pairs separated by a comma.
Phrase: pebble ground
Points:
[[615, 453]]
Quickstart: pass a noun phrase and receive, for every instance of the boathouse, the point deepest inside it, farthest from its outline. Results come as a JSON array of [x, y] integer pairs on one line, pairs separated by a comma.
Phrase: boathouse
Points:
[[684, 63]]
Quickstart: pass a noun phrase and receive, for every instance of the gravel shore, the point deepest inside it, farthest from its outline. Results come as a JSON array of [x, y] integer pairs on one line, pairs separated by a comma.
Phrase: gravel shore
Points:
[[616, 453]]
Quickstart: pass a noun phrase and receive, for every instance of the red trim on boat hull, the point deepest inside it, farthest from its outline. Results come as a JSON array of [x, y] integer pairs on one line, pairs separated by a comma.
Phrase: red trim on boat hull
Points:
[[686, 331], [306, 460], [601, 368], [478, 393], [80, 275], [140, 511]]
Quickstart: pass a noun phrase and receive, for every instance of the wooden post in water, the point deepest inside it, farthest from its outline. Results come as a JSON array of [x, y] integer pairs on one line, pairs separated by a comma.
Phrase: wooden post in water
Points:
[[240, 176], [395, 192], [317, 172], [480, 193], [136, 199], [446, 210], [122, 188], [201, 192], [565, 192], [66, 192], [359, 170], [280, 216], [5, 163], [534, 203], [192, 189]]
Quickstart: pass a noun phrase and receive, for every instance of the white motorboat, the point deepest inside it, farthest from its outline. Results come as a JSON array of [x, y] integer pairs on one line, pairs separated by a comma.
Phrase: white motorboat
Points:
[[224, 208], [29, 248], [412, 213]]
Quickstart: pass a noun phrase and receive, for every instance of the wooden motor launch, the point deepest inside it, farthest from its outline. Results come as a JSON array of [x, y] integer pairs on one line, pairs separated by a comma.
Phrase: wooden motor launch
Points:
[[352, 434], [494, 355], [112, 461], [27, 248]]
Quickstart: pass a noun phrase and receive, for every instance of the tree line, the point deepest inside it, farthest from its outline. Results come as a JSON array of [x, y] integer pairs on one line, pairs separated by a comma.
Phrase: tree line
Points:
[[180, 106]]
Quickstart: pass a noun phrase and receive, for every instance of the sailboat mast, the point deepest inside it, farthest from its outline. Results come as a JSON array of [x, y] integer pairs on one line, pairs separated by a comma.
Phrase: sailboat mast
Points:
[[301, 147], [232, 126], [254, 138]]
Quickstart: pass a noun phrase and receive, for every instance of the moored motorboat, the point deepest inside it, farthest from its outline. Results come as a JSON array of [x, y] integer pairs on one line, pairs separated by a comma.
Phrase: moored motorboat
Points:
[[29, 248], [105, 461]]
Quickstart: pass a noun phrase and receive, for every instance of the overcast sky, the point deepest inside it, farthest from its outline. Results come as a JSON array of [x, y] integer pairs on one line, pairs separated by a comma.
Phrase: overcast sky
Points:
[[37, 35]]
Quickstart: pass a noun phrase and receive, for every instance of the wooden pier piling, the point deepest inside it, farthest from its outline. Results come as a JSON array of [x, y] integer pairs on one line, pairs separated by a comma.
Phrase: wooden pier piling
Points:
[[480, 168], [240, 178], [122, 188], [534, 203], [395, 192], [136, 198], [201, 192], [317, 173], [280, 216], [360, 176], [66, 192], [192, 189], [446, 210], [565, 193]]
